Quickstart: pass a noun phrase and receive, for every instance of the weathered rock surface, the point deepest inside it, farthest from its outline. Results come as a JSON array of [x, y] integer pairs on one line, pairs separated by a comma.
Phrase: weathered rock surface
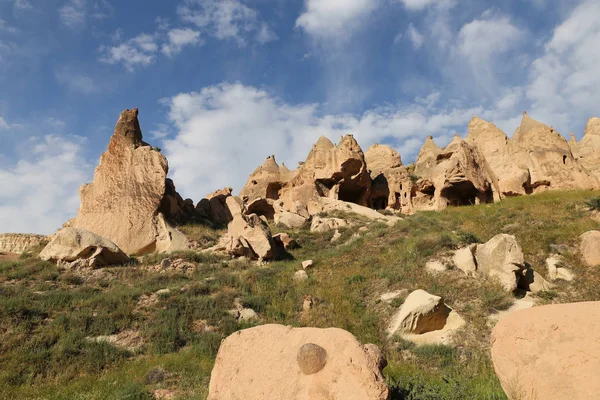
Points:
[[299, 363], [391, 184], [265, 182], [122, 203], [285, 241], [557, 268], [71, 244], [19, 242], [587, 151], [218, 207], [589, 247], [327, 224], [549, 352], [502, 258], [464, 259], [290, 220], [248, 236], [421, 313]]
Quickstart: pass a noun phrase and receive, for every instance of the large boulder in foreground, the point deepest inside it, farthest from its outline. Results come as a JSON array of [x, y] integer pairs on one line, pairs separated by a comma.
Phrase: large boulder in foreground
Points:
[[71, 244], [549, 352], [274, 362], [122, 203]]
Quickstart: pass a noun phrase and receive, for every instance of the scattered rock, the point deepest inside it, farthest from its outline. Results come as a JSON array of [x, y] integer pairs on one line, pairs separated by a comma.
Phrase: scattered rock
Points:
[[285, 241], [420, 313], [290, 220], [590, 248], [300, 276], [129, 340], [248, 236], [435, 266], [502, 258], [336, 236], [70, 244], [307, 303], [340, 367], [549, 352], [327, 224], [557, 269], [308, 264], [242, 313], [163, 292], [464, 259], [166, 263], [533, 282]]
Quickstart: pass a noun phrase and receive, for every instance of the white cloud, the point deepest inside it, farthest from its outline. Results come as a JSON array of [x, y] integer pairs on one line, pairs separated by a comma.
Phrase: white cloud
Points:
[[565, 83], [417, 4], [22, 5], [133, 53], [415, 36], [5, 27], [224, 19], [235, 127], [178, 38], [75, 81], [265, 34], [73, 13], [43, 185], [334, 18]]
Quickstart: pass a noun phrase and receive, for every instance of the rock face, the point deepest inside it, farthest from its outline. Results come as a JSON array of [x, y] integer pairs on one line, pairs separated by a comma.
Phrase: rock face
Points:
[[19, 242], [122, 203], [391, 184], [549, 352], [216, 207], [502, 258], [455, 176], [421, 313], [71, 244], [277, 362], [265, 182], [590, 248], [248, 236], [587, 151]]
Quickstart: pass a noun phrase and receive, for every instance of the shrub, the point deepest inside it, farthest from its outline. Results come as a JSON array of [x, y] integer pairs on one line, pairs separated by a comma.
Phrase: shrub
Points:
[[593, 204], [468, 238]]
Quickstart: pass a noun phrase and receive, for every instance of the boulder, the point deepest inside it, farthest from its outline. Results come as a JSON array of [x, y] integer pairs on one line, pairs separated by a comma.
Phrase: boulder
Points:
[[464, 259], [261, 207], [589, 246], [18, 243], [308, 264], [290, 220], [122, 202], [273, 362], [300, 276], [174, 207], [502, 258], [557, 268], [72, 244], [285, 241], [249, 236], [549, 352], [587, 151], [421, 313], [327, 224], [216, 207], [533, 282]]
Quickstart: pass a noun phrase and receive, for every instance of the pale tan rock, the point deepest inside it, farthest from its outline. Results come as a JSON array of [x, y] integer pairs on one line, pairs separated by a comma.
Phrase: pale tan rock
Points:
[[18, 243], [122, 202], [533, 281], [420, 313], [391, 186], [265, 182], [290, 220], [549, 352], [327, 224], [261, 207], [248, 236], [390, 296], [587, 151], [300, 276], [589, 248], [216, 208], [557, 268], [464, 259], [308, 264], [331, 205], [72, 244], [502, 258], [345, 369]]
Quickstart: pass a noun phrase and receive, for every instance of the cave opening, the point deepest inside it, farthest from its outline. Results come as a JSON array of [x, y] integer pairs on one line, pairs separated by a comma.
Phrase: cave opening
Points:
[[351, 193], [460, 194], [273, 189]]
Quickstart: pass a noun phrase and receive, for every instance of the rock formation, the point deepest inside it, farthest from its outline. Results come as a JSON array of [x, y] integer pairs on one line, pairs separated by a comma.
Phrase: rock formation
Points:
[[123, 201], [544, 352], [391, 182], [265, 182], [19, 243], [273, 362], [420, 313], [216, 207], [70, 245], [589, 247], [587, 151], [248, 236]]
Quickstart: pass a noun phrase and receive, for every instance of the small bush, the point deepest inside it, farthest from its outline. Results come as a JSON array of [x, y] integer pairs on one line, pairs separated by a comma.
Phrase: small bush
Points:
[[496, 299], [547, 295], [156, 375], [468, 238], [593, 204]]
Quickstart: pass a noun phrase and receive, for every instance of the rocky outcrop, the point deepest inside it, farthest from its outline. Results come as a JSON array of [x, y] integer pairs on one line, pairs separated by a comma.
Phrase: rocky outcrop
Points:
[[455, 176], [391, 182], [299, 363], [19, 242], [248, 236], [122, 203], [71, 244], [174, 207], [587, 151], [265, 182], [501, 258], [549, 352], [216, 207]]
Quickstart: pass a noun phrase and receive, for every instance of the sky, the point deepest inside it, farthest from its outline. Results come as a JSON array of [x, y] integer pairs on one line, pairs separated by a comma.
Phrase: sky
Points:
[[222, 84]]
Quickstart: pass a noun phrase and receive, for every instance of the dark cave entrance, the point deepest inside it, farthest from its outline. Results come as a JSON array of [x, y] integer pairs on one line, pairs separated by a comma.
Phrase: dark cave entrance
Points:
[[352, 193], [273, 189], [380, 193], [461, 194]]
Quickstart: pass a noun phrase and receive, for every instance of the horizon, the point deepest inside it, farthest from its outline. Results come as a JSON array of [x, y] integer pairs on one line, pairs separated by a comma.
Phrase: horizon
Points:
[[281, 75]]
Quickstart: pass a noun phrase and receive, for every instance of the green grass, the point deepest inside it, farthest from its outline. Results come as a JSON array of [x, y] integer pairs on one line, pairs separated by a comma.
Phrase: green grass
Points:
[[46, 314]]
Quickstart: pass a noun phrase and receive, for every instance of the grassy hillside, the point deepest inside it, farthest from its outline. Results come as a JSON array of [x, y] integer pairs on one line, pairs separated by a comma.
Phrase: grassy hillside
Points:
[[47, 316]]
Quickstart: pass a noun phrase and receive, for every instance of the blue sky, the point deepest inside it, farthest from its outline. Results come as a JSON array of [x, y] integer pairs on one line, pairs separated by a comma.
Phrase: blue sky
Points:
[[222, 84]]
